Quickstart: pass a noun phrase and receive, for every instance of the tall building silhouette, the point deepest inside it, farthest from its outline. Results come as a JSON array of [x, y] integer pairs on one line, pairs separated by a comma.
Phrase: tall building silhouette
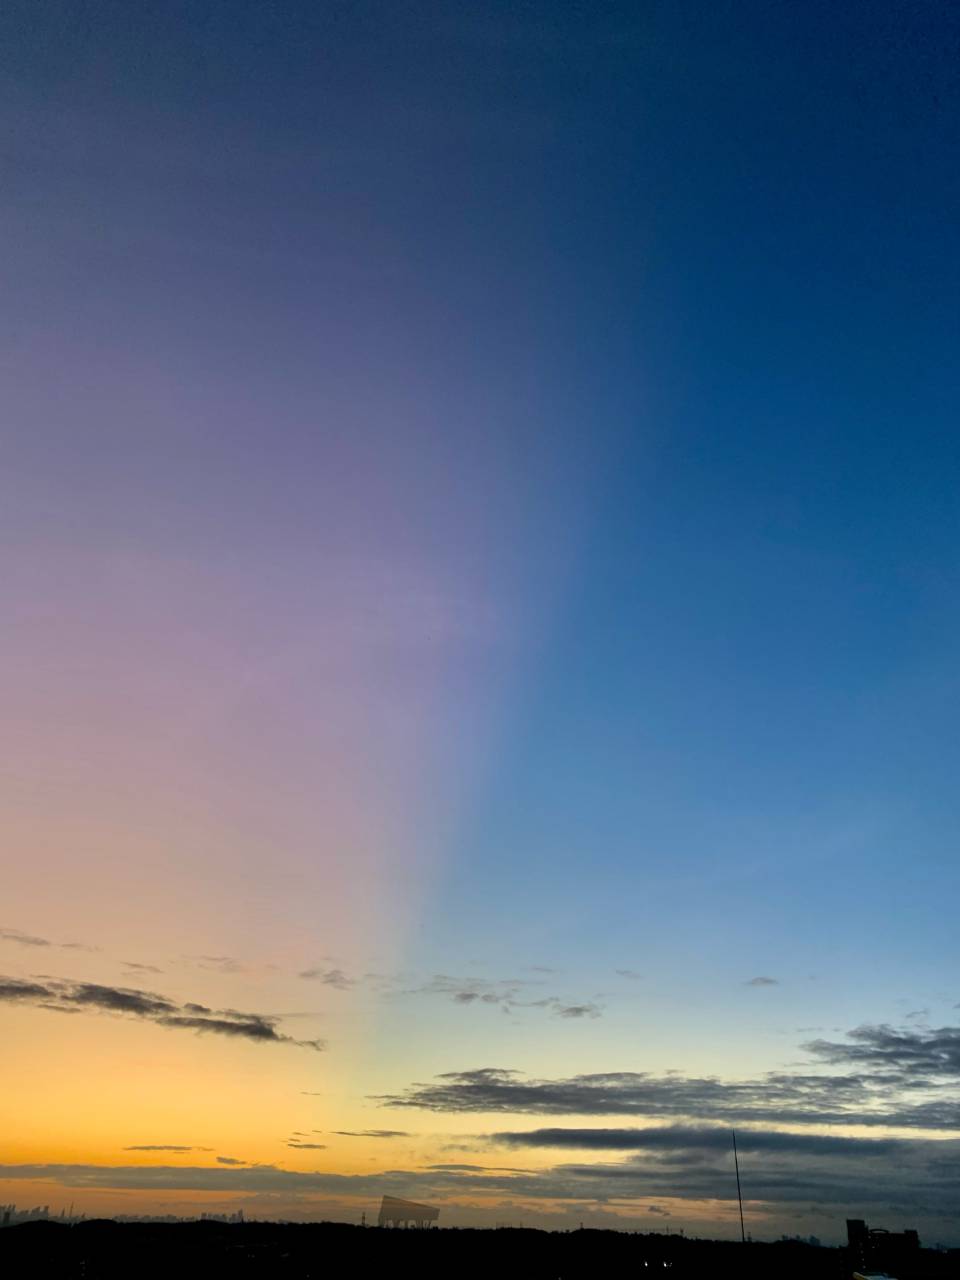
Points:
[[876, 1249]]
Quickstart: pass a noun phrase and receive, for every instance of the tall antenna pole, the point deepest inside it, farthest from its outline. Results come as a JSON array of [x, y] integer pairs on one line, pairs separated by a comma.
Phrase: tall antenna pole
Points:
[[736, 1165]]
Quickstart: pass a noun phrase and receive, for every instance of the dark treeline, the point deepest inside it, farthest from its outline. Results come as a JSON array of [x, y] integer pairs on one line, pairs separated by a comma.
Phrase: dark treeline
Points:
[[180, 1251]]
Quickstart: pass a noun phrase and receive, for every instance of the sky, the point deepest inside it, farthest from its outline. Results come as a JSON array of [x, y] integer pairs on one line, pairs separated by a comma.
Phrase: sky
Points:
[[478, 544]]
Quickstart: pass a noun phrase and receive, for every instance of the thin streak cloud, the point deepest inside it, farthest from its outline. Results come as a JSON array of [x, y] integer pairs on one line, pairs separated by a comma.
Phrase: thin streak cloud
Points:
[[66, 996]]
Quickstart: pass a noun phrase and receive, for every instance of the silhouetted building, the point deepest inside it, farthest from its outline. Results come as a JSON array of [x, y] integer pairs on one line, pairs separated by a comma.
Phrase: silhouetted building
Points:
[[11, 1216], [403, 1213], [876, 1249]]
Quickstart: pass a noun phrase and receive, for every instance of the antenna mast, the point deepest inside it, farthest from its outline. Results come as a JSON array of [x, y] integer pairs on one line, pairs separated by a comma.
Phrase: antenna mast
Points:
[[736, 1165]]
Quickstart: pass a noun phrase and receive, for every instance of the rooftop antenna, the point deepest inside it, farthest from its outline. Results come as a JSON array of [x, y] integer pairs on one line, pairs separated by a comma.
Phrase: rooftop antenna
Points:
[[736, 1165]]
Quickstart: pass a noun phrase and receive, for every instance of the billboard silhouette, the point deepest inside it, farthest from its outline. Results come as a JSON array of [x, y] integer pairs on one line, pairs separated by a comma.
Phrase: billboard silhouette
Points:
[[403, 1213]]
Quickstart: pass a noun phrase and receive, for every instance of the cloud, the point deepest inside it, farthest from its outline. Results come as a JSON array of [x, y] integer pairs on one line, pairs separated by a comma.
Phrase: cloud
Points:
[[64, 995], [310, 1093], [330, 978], [506, 994], [221, 964], [588, 1010], [908, 1053], [14, 989], [31, 940], [229, 1160], [905, 1078], [307, 1146], [161, 1146], [135, 967], [655, 1208], [469, 990], [698, 1138], [762, 982], [475, 1168], [371, 1133], [919, 1180], [24, 939], [631, 974]]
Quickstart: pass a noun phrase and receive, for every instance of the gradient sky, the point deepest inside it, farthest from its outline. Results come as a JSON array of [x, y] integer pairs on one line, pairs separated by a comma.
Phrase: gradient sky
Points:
[[480, 590]]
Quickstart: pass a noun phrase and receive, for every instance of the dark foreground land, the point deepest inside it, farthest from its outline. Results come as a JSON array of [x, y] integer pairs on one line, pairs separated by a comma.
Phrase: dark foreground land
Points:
[[181, 1251]]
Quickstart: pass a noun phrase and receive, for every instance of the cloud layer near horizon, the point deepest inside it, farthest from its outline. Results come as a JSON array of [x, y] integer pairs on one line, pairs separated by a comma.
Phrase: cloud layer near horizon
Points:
[[684, 1163]]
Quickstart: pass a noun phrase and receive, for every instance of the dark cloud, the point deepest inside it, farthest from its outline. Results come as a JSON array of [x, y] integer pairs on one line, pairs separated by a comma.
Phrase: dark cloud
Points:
[[307, 1146], [655, 1208], [371, 1133], [252, 1027], [116, 999], [229, 1160], [705, 1138], [906, 1053], [15, 989], [893, 1078], [63, 995], [135, 967], [762, 982], [330, 978]]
